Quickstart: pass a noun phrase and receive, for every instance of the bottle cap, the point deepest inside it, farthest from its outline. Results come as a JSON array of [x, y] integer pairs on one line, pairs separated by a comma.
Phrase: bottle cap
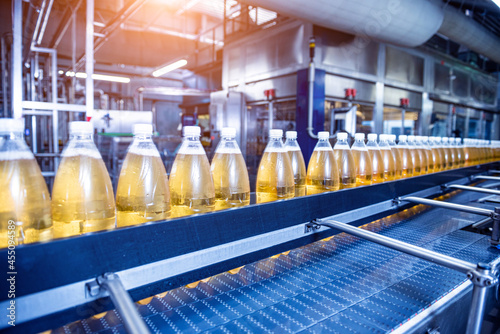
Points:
[[191, 131], [146, 129], [411, 138], [228, 132], [419, 138], [444, 139], [292, 134], [384, 137], [457, 140], [323, 135], [81, 127], [342, 135], [273, 133], [402, 137], [393, 137], [8, 125], [359, 136], [372, 137]]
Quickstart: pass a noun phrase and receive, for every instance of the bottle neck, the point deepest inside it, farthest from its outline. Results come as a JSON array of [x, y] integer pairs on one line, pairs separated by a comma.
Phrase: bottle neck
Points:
[[143, 137], [81, 136]]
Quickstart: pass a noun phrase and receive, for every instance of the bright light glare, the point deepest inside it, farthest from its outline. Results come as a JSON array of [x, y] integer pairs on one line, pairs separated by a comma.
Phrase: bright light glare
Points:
[[496, 2], [170, 67], [102, 77]]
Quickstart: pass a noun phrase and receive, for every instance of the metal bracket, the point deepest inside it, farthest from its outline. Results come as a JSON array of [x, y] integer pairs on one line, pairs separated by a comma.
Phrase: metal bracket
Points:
[[111, 283], [312, 226], [396, 201]]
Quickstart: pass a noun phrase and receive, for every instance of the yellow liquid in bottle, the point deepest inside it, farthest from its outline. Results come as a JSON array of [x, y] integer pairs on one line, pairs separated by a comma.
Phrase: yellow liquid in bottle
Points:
[[452, 163], [415, 158], [406, 162], [424, 164], [231, 184], [299, 172], [346, 168], [430, 159], [389, 164], [142, 194], [364, 171], [377, 165], [275, 177], [444, 158], [438, 159], [462, 156], [24, 199], [459, 161], [191, 185], [322, 173], [82, 197], [398, 163]]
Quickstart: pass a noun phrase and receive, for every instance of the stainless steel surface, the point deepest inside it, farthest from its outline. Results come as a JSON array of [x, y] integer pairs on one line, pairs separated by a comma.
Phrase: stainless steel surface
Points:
[[434, 257], [404, 67], [446, 205], [89, 58], [119, 121], [133, 322], [310, 100], [336, 85], [17, 71]]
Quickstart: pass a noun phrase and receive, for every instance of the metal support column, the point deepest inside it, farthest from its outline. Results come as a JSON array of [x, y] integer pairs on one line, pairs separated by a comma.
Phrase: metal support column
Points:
[[17, 70], [89, 60], [495, 233], [480, 274], [111, 283]]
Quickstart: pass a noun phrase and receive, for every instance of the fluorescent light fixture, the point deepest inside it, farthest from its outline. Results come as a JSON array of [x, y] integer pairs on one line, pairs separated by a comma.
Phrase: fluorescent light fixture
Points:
[[102, 77], [99, 24], [170, 67], [60, 72], [496, 2]]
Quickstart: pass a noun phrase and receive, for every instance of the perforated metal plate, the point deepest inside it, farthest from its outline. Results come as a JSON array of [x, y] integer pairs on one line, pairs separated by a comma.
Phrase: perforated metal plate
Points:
[[340, 285]]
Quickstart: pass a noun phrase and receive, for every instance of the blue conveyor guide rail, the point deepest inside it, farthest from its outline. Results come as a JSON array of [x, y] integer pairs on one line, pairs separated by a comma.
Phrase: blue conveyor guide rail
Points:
[[341, 284]]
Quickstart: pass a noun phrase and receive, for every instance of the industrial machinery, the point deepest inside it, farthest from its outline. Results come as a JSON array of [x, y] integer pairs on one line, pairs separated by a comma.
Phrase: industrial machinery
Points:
[[424, 251]]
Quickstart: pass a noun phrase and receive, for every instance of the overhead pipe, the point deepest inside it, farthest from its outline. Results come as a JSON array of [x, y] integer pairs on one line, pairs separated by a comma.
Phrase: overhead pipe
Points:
[[44, 23], [404, 22], [464, 30]]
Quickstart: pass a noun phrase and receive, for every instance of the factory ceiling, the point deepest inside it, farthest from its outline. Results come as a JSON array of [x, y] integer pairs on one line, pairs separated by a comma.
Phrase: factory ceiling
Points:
[[139, 36]]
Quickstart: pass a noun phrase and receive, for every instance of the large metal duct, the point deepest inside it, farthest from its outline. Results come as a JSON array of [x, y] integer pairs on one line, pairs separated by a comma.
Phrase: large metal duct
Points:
[[464, 30], [401, 22]]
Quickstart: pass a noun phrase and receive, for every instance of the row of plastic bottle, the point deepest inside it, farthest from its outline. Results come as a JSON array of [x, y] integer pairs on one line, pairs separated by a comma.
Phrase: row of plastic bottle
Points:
[[83, 199]]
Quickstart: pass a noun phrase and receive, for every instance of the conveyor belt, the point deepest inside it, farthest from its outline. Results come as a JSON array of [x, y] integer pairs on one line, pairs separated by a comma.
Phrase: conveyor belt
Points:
[[341, 284]]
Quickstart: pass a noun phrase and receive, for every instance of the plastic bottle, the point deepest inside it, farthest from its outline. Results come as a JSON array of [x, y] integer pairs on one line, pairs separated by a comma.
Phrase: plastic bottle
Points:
[[322, 171], [467, 152], [398, 163], [406, 156], [424, 159], [142, 194], [298, 164], [82, 196], [423, 143], [229, 171], [445, 158], [376, 158], [362, 161], [459, 153], [25, 215], [416, 156], [439, 164], [450, 153], [275, 175], [387, 158], [191, 184], [345, 162]]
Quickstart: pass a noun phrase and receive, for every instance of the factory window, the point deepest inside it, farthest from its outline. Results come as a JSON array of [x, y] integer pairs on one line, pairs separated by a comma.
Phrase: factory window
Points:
[[393, 118], [343, 115]]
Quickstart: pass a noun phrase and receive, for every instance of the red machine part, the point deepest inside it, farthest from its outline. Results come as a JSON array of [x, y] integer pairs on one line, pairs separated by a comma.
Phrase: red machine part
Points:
[[270, 93], [350, 93], [405, 102]]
